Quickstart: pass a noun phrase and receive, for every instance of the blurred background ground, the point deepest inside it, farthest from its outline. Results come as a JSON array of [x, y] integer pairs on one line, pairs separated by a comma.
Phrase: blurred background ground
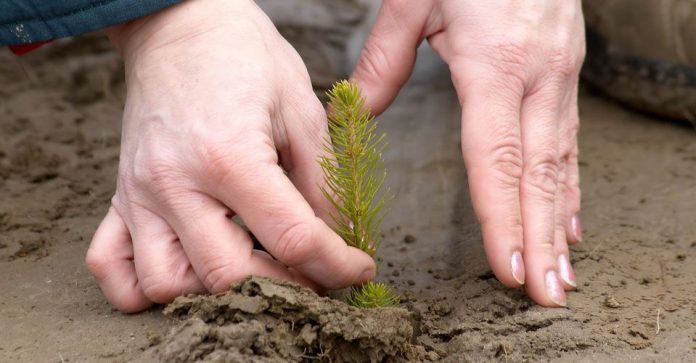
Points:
[[60, 110]]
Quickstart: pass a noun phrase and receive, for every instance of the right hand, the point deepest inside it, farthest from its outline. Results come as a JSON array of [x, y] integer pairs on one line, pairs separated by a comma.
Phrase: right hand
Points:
[[219, 108], [515, 66]]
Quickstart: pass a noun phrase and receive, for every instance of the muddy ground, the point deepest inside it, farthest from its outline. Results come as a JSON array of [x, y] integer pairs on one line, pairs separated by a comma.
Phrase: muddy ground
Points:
[[636, 269]]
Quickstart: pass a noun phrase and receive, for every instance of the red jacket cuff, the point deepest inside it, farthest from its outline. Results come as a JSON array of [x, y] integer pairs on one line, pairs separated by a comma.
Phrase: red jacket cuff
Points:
[[22, 49]]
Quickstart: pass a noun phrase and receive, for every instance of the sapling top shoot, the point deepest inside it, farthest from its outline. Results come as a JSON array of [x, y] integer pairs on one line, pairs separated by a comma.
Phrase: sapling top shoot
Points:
[[354, 173]]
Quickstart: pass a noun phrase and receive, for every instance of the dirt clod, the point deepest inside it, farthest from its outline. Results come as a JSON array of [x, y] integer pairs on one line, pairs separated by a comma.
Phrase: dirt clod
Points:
[[261, 320], [36, 248], [409, 239], [611, 302]]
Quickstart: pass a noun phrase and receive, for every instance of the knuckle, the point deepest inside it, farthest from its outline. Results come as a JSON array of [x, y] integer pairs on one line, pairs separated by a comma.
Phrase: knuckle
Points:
[[561, 175], [152, 173], [506, 162], [233, 158], [220, 277], [373, 63], [218, 160], [546, 245], [295, 245], [541, 176], [563, 64]]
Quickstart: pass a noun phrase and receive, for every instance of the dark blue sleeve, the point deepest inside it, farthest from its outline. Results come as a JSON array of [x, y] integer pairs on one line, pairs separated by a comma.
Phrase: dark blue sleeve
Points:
[[30, 21]]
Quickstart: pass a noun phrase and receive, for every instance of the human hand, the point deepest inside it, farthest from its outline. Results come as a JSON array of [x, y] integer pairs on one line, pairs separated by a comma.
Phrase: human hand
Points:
[[515, 67], [219, 107]]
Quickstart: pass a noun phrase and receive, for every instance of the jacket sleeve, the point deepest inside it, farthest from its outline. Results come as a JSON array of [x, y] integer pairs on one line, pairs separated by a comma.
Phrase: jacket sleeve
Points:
[[33, 21]]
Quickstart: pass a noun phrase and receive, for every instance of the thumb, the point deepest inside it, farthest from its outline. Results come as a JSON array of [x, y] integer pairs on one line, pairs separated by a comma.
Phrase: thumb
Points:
[[387, 59]]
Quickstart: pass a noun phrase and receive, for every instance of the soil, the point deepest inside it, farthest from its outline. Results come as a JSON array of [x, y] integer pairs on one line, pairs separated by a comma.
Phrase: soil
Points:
[[60, 125], [261, 320]]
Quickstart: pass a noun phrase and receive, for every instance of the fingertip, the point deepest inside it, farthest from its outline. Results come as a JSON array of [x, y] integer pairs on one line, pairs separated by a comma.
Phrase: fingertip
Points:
[[517, 267], [349, 267], [366, 267], [554, 289], [109, 260], [504, 250], [130, 304], [547, 290], [566, 273], [508, 268], [574, 229]]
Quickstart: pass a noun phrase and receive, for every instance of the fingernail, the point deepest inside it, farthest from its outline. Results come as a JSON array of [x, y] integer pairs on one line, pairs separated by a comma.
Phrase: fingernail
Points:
[[517, 267], [566, 270], [554, 289], [367, 275], [576, 227]]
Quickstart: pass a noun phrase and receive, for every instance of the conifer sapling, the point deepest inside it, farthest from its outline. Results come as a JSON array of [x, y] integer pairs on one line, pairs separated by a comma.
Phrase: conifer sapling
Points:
[[354, 173]]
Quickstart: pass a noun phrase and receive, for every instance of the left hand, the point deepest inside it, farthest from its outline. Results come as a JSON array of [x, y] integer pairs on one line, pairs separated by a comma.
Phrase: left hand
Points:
[[515, 67]]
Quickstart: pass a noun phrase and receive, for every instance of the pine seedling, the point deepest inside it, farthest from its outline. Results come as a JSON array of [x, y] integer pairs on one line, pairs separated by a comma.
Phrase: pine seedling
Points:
[[354, 173], [372, 295]]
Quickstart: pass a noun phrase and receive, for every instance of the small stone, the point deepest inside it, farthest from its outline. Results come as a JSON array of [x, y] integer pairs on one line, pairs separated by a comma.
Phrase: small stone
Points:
[[611, 302], [411, 282], [395, 273]]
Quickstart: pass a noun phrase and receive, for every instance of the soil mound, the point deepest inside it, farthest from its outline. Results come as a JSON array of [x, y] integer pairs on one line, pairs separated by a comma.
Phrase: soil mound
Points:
[[264, 320]]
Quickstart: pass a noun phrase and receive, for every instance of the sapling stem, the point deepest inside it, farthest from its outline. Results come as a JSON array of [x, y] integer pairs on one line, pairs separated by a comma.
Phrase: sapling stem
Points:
[[354, 173]]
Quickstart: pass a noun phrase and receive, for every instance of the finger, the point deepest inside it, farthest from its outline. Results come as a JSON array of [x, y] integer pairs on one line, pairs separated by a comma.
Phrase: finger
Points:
[[491, 145], [560, 244], [566, 144], [163, 268], [305, 146], [258, 190], [110, 260], [389, 54], [573, 194], [538, 190], [221, 251]]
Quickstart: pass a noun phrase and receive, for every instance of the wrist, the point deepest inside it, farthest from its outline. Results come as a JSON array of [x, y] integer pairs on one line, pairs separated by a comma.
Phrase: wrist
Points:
[[177, 23]]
